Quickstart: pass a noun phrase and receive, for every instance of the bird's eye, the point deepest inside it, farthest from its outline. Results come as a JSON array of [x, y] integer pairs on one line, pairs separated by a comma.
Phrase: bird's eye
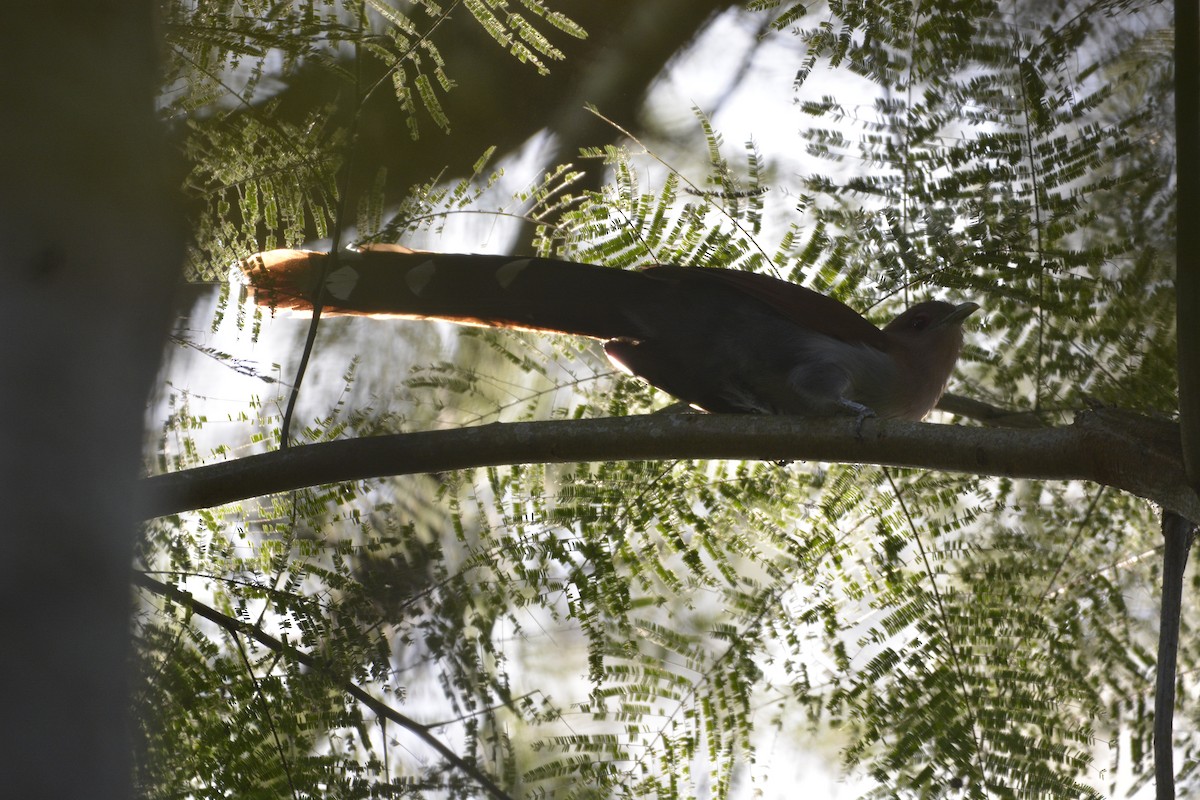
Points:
[[920, 322]]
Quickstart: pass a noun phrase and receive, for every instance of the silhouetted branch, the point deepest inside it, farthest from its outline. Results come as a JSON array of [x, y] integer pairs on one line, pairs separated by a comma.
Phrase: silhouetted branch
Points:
[[989, 414], [1178, 536], [1128, 451], [1187, 248]]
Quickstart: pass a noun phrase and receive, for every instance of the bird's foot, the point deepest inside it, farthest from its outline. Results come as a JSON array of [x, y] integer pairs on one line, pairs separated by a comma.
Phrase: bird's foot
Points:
[[861, 413]]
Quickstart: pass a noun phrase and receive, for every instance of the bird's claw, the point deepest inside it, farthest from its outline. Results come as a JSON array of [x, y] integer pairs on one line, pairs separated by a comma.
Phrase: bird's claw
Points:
[[861, 413], [859, 420]]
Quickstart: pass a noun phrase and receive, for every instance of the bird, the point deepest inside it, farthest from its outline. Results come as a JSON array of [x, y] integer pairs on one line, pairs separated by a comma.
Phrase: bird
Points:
[[719, 340]]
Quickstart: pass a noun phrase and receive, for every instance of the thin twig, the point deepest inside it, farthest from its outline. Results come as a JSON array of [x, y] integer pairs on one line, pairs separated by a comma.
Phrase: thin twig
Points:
[[238, 627], [266, 711], [956, 661]]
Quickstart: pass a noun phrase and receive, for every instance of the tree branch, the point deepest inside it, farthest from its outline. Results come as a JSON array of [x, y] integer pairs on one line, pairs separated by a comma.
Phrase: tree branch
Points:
[[990, 415], [1115, 448], [1187, 244], [1178, 535], [381, 709]]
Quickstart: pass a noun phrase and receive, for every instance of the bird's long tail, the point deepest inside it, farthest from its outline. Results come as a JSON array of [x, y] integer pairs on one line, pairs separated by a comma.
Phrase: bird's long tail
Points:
[[496, 291]]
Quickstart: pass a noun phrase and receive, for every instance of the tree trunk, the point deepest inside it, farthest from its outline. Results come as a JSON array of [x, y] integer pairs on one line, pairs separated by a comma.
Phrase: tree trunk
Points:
[[90, 248]]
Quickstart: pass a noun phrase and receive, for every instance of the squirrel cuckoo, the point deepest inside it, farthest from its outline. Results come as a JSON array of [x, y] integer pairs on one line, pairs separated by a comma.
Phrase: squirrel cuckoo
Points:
[[720, 340]]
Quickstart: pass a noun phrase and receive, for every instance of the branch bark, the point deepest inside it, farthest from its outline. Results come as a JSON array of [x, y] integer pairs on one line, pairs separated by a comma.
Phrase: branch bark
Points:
[[1187, 245], [1178, 536], [1178, 533], [1116, 448]]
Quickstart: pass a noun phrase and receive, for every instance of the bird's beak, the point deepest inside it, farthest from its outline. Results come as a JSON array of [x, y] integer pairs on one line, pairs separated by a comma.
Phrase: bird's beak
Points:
[[960, 312]]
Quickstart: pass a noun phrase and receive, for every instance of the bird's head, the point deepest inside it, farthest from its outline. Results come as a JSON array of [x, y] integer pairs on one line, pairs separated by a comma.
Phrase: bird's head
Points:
[[925, 341]]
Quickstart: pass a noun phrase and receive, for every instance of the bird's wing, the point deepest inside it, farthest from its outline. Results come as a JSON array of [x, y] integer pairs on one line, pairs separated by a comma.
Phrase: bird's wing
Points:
[[804, 307]]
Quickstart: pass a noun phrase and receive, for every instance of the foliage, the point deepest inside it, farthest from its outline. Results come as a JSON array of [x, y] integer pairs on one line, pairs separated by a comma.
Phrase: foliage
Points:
[[260, 178], [966, 637]]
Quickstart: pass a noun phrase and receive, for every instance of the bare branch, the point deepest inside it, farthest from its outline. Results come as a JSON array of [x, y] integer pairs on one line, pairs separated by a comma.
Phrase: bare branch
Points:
[[1187, 246], [1178, 535], [1115, 448], [989, 414]]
